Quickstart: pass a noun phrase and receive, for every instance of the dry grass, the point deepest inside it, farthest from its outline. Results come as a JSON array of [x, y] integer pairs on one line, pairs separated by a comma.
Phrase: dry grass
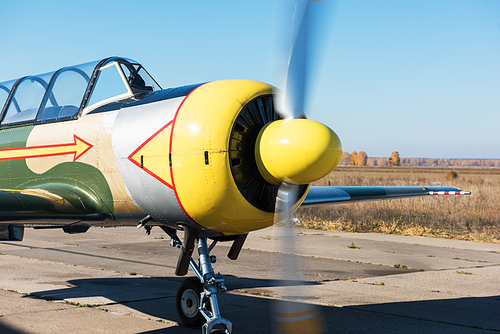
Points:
[[475, 217]]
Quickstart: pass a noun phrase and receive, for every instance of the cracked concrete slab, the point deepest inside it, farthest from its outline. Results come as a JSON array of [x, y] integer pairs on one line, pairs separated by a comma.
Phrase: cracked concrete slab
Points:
[[127, 279]]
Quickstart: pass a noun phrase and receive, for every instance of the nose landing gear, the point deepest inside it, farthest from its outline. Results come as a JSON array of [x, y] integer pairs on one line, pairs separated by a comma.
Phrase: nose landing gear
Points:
[[196, 299]]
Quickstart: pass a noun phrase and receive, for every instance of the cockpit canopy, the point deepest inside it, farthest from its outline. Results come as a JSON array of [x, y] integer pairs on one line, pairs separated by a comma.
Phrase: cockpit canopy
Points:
[[71, 91]]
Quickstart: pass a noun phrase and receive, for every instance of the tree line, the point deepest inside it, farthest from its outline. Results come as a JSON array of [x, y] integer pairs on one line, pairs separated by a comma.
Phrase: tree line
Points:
[[361, 159]]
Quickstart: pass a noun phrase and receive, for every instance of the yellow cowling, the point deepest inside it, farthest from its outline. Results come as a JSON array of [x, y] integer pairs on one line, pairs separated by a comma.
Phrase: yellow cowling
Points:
[[201, 172], [203, 182], [297, 151]]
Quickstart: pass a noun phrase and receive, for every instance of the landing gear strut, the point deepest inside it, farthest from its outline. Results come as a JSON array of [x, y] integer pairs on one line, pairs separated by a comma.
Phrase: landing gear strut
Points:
[[196, 299]]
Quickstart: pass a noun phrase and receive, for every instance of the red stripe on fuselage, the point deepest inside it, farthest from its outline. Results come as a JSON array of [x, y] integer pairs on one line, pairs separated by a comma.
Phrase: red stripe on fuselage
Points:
[[170, 152]]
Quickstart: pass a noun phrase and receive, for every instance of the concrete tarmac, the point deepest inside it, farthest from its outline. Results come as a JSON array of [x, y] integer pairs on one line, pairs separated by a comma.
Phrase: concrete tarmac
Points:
[[120, 280]]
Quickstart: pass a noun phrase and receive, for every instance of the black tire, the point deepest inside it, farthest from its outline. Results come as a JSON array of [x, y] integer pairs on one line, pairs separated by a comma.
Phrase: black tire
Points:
[[218, 329], [187, 302]]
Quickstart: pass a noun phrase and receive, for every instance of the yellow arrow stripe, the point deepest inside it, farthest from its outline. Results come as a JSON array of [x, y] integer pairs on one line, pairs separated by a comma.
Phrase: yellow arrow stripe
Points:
[[77, 148]]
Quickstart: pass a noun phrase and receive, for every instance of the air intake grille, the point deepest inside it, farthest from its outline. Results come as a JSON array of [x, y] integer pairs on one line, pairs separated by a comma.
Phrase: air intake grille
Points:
[[246, 128]]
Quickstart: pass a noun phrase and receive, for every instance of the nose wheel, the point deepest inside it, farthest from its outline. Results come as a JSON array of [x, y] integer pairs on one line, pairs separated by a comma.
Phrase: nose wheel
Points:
[[196, 299], [188, 302]]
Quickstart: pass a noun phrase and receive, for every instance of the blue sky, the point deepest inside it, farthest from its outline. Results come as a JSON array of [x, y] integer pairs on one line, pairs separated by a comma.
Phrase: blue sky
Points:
[[421, 77]]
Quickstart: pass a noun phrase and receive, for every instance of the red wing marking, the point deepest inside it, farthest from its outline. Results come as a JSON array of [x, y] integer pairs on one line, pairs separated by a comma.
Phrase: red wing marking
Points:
[[449, 192]]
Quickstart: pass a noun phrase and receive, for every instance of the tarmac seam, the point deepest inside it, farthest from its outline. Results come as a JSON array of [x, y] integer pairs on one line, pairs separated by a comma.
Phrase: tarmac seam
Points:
[[135, 301], [420, 319], [89, 255], [333, 259], [470, 267]]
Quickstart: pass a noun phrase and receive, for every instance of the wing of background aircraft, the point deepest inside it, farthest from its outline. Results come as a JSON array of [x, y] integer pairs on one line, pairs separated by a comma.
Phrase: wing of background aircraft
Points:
[[340, 195]]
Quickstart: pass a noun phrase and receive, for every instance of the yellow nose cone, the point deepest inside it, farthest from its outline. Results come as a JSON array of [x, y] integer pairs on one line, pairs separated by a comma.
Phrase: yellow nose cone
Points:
[[297, 151]]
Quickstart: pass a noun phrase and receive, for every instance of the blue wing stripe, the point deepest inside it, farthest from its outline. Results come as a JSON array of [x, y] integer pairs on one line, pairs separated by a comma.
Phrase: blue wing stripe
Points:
[[333, 195]]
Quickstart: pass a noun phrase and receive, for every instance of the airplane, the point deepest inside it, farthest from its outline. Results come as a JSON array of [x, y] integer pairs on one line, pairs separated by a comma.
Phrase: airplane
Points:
[[103, 144]]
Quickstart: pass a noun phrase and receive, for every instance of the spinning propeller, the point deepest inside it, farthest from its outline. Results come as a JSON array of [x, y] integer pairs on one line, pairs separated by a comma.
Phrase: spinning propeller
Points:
[[295, 151]]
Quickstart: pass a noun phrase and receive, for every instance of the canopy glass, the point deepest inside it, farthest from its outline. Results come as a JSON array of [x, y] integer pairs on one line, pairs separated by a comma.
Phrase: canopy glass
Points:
[[71, 91]]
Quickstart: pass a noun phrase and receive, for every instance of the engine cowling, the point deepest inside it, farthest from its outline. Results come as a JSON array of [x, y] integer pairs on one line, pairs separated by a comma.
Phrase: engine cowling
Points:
[[193, 159], [213, 164]]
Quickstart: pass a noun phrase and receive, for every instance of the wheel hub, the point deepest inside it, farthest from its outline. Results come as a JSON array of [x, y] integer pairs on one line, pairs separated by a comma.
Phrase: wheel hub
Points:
[[190, 303]]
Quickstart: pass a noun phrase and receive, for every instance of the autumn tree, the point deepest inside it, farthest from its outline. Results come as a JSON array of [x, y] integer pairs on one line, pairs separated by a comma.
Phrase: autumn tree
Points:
[[353, 158], [394, 159], [345, 160], [361, 158]]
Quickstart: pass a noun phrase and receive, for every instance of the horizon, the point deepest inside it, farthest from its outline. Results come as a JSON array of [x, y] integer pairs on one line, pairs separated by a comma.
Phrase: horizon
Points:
[[402, 157], [420, 75]]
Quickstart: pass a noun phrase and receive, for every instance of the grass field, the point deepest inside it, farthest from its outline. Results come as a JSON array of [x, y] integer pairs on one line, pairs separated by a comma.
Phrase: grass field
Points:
[[475, 217]]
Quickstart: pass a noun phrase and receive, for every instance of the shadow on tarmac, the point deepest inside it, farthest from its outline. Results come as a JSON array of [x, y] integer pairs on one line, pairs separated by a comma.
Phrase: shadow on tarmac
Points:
[[5, 329], [472, 312], [246, 311]]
